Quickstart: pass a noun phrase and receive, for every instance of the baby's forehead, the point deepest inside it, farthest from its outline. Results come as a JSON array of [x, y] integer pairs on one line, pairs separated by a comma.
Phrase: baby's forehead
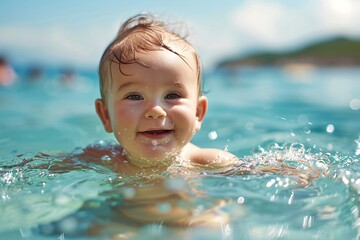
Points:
[[172, 61], [170, 49]]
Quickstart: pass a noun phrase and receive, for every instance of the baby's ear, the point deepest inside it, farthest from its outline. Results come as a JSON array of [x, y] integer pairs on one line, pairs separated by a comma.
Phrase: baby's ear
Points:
[[201, 110], [103, 113]]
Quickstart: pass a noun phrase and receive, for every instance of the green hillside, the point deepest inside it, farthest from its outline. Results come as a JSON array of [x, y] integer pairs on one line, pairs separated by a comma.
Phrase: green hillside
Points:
[[334, 52]]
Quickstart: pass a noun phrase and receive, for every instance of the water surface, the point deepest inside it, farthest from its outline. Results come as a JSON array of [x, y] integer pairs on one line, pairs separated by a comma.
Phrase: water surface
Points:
[[308, 118]]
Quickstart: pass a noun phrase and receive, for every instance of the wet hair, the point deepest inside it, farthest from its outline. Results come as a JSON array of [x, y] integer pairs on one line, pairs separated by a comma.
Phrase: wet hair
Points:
[[140, 33]]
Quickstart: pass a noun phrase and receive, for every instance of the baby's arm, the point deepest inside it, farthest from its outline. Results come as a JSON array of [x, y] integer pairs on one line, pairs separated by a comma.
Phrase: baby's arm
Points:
[[221, 162]]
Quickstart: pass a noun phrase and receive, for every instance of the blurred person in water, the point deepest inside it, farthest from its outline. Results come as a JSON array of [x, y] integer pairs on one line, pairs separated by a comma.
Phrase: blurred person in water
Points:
[[7, 74]]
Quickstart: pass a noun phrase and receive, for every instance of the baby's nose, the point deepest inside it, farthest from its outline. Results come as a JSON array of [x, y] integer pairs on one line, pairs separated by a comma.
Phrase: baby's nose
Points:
[[155, 112]]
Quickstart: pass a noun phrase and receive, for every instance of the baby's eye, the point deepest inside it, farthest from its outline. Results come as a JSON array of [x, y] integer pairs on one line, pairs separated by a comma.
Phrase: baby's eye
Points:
[[134, 97], [173, 95]]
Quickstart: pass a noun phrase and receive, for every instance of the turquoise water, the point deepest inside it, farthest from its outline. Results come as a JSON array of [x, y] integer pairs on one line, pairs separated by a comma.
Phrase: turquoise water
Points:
[[308, 117]]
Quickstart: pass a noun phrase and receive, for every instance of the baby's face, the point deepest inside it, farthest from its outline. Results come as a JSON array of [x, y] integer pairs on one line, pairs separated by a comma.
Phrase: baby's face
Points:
[[154, 111]]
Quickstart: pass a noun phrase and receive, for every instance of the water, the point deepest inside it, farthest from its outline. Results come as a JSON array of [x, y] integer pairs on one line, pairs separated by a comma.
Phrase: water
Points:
[[306, 119]]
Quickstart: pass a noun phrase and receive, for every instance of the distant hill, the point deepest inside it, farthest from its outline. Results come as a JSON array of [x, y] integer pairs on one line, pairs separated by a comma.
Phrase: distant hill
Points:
[[333, 52]]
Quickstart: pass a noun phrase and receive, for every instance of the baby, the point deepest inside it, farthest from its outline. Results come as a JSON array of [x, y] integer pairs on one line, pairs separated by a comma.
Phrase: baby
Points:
[[150, 83]]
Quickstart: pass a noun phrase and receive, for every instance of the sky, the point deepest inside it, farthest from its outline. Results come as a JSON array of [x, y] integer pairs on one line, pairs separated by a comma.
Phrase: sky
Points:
[[75, 33]]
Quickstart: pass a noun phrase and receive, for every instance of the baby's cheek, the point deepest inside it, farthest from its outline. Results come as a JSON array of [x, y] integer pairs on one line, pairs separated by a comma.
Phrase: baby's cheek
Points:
[[184, 118], [122, 121], [126, 112]]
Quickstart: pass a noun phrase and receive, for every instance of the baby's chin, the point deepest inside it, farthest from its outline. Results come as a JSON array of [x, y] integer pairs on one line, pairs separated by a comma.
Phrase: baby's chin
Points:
[[155, 158]]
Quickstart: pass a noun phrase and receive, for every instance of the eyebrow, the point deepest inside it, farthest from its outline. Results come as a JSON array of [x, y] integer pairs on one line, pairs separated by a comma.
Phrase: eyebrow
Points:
[[176, 84], [126, 85]]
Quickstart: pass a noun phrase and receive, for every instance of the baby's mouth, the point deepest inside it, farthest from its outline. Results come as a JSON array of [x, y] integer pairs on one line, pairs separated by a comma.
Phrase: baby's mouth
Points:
[[156, 133]]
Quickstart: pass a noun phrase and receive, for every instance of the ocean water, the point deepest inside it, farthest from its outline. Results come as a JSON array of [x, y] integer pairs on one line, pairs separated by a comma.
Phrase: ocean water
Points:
[[305, 118]]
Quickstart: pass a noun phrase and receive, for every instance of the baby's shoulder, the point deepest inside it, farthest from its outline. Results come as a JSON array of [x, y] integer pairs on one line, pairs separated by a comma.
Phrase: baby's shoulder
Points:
[[211, 157]]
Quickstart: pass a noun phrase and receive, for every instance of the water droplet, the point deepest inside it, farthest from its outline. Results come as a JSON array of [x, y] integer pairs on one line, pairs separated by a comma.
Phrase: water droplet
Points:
[[106, 158], [306, 130], [270, 183], [240, 200], [5, 196], [291, 198], [330, 128], [307, 222], [298, 149], [357, 151], [100, 144], [274, 146], [258, 150], [354, 104], [51, 175], [42, 184], [345, 180], [212, 135], [78, 151]]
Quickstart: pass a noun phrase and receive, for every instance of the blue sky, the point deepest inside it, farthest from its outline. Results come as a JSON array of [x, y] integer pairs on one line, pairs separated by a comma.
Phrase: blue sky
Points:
[[76, 32]]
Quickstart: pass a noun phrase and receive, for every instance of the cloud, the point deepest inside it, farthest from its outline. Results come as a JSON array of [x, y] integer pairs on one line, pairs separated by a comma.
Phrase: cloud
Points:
[[54, 44], [274, 25], [212, 42], [340, 16], [246, 27], [279, 24]]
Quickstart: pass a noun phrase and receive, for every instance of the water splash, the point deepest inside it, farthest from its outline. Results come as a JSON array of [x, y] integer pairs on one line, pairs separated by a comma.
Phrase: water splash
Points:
[[106, 158], [357, 150]]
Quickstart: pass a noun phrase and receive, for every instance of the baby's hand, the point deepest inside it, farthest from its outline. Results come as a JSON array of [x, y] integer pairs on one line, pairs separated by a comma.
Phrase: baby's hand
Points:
[[304, 176]]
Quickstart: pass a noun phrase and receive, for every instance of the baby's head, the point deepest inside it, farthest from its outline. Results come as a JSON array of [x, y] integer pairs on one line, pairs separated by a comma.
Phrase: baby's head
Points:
[[151, 91]]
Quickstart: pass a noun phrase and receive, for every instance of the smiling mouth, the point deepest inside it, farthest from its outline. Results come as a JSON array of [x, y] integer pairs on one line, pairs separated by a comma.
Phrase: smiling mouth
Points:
[[156, 133]]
